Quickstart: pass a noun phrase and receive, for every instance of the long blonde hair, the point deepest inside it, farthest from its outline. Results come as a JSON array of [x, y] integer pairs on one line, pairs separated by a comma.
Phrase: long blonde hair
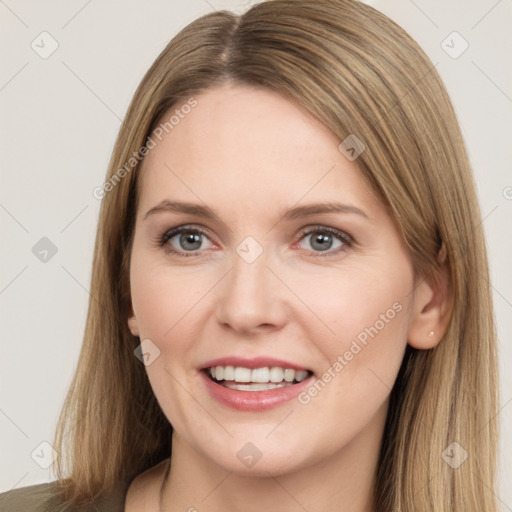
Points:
[[358, 73]]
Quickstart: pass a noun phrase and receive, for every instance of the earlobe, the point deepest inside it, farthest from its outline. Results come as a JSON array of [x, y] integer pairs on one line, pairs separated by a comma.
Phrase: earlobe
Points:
[[133, 325], [431, 311]]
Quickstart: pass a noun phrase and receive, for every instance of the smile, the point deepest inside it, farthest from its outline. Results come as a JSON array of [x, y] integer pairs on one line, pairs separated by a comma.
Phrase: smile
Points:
[[256, 379], [253, 384]]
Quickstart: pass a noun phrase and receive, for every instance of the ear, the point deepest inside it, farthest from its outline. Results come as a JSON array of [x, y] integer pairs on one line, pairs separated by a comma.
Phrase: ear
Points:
[[432, 309], [133, 325]]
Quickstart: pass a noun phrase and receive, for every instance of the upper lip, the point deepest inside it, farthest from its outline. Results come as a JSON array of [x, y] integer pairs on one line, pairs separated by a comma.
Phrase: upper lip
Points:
[[252, 363]]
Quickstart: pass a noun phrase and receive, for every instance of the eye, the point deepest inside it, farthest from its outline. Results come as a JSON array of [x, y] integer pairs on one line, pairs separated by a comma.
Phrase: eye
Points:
[[190, 241], [185, 239], [324, 239]]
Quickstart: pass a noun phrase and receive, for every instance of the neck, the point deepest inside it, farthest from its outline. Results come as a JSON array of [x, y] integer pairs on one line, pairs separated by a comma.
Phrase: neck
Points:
[[343, 481]]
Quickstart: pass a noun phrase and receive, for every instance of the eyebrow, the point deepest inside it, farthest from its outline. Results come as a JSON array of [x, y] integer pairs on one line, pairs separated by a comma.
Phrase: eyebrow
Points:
[[290, 214], [180, 207]]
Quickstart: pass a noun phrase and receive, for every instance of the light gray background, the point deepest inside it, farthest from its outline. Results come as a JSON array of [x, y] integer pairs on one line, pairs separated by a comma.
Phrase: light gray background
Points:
[[59, 119]]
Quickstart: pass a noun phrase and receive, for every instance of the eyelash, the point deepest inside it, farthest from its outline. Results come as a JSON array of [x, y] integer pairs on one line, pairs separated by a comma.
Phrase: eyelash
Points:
[[344, 237]]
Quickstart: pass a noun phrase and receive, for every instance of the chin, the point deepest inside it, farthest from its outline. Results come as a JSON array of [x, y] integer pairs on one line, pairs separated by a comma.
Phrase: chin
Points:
[[259, 459]]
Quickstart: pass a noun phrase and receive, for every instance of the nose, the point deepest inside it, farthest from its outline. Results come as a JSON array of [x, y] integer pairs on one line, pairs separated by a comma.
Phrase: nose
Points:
[[251, 298]]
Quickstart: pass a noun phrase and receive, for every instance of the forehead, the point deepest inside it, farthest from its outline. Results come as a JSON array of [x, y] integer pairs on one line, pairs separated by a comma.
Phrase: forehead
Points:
[[249, 148]]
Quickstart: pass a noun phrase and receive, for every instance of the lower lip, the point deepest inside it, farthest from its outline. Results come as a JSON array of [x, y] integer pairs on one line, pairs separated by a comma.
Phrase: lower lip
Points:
[[254, 401]]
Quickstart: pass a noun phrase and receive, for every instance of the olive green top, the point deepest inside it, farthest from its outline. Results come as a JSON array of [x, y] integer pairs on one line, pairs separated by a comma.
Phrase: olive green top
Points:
[[43, 498]]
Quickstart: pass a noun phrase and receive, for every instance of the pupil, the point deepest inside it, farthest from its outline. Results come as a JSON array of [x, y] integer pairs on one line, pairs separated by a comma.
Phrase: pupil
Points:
[[190, 241], [324, 242]]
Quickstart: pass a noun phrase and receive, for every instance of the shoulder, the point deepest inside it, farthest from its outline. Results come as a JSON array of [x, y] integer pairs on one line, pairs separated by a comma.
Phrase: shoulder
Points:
[[33, 498], [44, 498]]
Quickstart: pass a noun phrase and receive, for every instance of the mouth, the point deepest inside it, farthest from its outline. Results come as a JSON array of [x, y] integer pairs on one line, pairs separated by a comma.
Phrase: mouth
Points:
[[254, 384], [266, 378]]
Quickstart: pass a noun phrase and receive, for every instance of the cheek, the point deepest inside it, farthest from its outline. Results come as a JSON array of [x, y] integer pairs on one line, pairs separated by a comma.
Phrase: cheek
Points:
[[369, 314], [166, 301], [163, 297], [351, 302]]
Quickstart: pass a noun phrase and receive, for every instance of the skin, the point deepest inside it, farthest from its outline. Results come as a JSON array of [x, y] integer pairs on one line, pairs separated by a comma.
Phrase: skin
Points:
[[250, 154]]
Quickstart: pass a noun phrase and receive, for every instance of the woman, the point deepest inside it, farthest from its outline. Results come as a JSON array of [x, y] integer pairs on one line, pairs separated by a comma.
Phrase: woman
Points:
[[290, 300]]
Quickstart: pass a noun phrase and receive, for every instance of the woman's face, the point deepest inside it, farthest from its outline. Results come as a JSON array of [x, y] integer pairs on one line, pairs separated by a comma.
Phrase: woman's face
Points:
[[263, 275]]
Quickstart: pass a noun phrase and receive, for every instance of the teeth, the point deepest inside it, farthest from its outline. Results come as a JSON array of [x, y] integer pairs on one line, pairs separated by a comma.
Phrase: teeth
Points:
[[241, 374], [276, 374], [264, 375], [229, 373], [260, 375], [289, 375], [300, 375], [255, 387]]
